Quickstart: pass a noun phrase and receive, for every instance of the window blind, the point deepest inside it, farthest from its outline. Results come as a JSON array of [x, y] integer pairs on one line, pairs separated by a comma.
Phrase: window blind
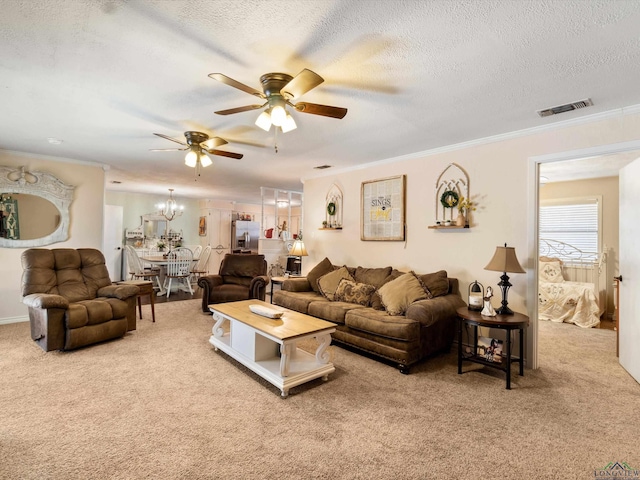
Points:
[[573, 222]]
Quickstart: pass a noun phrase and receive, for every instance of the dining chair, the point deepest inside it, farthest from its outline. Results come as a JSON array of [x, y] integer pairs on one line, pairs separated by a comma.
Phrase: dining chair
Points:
[[196, 252], [202, 265], [136, 269], [179, 262], [147, 252]]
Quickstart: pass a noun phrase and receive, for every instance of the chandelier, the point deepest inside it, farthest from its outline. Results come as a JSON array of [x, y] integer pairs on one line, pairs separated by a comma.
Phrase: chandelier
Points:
[[170, 208]]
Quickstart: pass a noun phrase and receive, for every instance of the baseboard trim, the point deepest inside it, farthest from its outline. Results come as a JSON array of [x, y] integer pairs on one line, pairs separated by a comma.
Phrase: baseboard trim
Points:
[[7, 320]]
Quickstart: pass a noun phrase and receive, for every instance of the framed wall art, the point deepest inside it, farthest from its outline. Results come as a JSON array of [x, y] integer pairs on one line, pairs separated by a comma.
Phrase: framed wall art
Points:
[[202, 227], [383, 209]]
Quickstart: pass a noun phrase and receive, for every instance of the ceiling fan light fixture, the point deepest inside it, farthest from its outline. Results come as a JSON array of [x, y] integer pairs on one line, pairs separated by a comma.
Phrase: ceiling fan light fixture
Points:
[[264, 121], [191, 159], [205, 160], [278, 115], [289, 124]]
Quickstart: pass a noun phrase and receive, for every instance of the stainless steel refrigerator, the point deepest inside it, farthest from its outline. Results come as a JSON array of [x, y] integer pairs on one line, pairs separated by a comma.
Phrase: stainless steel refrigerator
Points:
[[245, 235]]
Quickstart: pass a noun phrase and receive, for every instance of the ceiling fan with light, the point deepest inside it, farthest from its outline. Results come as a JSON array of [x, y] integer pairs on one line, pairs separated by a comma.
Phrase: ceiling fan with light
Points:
[[279, 89], [198, 145]]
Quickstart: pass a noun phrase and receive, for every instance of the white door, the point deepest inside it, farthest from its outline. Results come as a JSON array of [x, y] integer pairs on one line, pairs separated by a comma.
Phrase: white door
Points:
[[629, 309], [219, 237], [112, 240]]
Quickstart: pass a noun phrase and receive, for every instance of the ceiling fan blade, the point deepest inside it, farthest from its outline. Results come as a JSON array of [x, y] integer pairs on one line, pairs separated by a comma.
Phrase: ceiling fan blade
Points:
[[234, 83], [324, 110], [222, 153], [213, 142], [301, 83], [168, 149], [239, 109], [169, 138]]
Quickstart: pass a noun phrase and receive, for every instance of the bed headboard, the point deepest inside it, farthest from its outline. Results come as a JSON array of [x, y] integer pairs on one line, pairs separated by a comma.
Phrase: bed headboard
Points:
[[572, 257], [578, 265]]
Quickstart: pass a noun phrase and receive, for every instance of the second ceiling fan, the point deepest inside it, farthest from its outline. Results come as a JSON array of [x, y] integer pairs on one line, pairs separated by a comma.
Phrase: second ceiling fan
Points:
[[279, 89], [198, 145]]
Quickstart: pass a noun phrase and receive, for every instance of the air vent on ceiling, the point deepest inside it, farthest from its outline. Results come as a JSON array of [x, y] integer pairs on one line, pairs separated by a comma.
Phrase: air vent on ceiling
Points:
[[322, 167], [565, 108]]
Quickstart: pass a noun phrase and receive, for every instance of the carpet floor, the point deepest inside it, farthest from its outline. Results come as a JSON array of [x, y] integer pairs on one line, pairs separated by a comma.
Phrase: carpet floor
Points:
[[161, 403]]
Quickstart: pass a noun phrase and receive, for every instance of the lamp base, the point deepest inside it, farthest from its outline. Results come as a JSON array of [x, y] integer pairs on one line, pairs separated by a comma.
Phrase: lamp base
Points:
[[504, 310], [504, 286]]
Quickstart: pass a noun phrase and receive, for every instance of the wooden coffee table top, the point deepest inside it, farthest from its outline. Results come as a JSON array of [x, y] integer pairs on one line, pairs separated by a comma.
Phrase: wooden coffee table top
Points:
[[291, 325]]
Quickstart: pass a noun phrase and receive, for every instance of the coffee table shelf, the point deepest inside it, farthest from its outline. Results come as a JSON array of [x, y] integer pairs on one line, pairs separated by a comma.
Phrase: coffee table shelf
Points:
[[268, 347]]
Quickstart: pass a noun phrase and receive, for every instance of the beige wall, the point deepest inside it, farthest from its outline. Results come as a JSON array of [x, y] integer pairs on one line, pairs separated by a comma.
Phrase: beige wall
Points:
[[608, 188], [499, 183], [137, 204], [85, 228]]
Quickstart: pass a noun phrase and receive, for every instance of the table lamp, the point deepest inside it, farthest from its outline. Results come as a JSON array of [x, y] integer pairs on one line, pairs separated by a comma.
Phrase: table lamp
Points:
[[298, 250], [504, 260]]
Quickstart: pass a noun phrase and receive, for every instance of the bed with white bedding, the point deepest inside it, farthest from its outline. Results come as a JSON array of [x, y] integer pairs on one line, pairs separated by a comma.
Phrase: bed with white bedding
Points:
[[569, 284]]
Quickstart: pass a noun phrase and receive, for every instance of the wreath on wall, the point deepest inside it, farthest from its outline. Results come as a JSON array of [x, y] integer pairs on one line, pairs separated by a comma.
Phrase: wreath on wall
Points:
[[449, 199], [331, 208]]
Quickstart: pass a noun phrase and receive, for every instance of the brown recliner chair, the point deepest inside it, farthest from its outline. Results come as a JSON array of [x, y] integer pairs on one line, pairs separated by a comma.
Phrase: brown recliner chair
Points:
[[241, 277], [71, 300]]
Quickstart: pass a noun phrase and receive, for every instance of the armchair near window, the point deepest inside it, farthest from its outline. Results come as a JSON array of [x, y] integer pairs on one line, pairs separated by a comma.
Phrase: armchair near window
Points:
[[72, 302], [241, 277]]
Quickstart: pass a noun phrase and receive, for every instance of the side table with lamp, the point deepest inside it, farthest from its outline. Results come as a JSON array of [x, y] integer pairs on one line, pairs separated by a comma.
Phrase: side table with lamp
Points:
[[504, 260]]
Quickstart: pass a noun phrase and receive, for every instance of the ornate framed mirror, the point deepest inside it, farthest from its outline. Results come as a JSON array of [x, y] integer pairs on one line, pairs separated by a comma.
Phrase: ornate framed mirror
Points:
[[34, 208]]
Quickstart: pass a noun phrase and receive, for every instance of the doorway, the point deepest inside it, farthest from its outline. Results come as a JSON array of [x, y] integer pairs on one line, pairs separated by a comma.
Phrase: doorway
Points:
[[533, 244]]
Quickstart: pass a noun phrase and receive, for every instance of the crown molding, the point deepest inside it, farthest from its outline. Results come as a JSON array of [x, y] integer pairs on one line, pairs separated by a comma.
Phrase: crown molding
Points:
[[584, 120]]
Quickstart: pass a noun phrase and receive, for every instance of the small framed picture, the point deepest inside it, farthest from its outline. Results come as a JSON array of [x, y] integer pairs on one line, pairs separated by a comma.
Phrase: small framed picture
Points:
[[490, 349], [202, 227]]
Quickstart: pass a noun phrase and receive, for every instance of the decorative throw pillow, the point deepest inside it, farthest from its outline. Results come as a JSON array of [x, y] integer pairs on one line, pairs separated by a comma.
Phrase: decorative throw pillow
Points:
[[551, 272], [398, 294], [376, 302], [352, 292], [436, 284], [329, 283], [316, 272], [372, 276]]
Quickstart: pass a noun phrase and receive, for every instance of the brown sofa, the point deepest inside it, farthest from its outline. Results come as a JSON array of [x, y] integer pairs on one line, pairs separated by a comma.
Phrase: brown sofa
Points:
[[426, 327], [241, 277], [72, 302]]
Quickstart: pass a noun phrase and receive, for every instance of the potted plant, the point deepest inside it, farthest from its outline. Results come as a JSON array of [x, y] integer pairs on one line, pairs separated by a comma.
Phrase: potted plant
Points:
[[161, 246]]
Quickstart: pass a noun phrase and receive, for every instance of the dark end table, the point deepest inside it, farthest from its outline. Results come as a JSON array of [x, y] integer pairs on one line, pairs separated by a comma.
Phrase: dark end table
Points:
[[509, 323]]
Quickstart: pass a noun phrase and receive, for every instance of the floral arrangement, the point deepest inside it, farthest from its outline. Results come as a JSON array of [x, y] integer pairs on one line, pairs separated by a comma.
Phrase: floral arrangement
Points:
[[465, 204], [161, 245]]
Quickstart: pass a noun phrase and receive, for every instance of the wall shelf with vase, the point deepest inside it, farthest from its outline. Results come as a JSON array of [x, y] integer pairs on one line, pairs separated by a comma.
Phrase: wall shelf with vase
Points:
[[333, 209], [451, 194]]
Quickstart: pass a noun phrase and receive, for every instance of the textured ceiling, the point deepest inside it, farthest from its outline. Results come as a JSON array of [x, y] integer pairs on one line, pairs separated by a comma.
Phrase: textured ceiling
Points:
[[415, 75]]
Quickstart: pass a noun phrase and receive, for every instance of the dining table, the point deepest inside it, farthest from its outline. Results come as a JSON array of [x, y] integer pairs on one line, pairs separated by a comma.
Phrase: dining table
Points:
[[161, 262]]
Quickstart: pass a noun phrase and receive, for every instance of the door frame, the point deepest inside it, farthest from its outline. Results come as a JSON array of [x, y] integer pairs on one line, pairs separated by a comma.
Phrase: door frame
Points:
[[533, 196]]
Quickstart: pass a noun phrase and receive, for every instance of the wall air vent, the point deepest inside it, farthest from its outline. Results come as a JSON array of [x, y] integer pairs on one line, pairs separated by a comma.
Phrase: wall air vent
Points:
[[565, 108], [322, 167]]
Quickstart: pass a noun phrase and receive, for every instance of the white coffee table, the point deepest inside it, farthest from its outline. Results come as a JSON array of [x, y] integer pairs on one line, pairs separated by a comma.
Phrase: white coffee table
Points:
[[268, 346]]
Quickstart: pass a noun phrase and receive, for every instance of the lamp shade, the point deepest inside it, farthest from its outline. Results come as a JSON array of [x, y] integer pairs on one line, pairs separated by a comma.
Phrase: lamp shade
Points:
[[278, 115], [289, 124], [505, 260], [205, 160], [298, 249], [191, 159], [264, 121]]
